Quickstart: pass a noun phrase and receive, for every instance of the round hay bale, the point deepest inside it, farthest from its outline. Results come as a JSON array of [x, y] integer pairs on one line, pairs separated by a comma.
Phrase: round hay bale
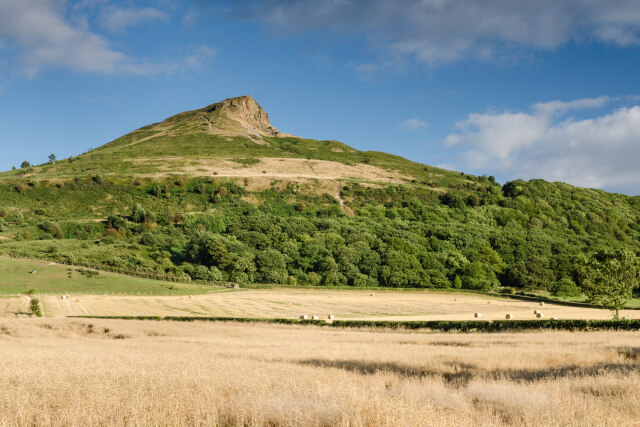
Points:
[[488, 302], [190, 296], [303, 317], [540, 315], [371, 294], [315, 317], [331, 317], [509, 316], [554, 318], [536, 311], [477, 315], [542, 303], [77, 299], [455, 299]]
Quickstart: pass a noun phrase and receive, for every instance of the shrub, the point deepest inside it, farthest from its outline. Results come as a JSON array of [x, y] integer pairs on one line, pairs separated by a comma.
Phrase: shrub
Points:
[[17, 218], [51, 228], [20, 188], [507, 290], [34, 304], [565, 288], [25, 164]]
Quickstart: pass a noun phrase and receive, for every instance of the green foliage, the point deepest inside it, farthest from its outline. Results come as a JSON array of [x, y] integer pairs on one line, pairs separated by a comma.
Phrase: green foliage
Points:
[[565, 288], [25, 164], [34, 305], [465, 326], [51, 229], [610, 277], [442, 231]]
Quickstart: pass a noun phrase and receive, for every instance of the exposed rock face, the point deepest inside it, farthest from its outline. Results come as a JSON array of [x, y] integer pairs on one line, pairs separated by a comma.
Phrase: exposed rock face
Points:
[[242, 113], [243, 108], [241, 116]]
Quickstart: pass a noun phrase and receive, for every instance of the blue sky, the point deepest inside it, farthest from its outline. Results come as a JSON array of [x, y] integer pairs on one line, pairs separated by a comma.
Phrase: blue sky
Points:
[[510, 88]]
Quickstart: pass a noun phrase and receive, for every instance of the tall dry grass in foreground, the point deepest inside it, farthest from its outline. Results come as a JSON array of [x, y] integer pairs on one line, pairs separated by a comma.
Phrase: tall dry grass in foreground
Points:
[[72, 372]]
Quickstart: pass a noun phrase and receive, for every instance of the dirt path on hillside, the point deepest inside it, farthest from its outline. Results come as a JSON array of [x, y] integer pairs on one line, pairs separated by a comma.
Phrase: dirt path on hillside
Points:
[[274, 168]]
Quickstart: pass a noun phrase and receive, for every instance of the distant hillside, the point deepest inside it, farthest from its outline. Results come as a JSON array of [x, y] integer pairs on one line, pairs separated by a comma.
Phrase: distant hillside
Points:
[[218, 194], [234, 138]]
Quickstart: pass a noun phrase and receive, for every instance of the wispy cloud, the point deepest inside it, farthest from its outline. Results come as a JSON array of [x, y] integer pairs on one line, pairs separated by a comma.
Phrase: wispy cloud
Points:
[[50, 34], [413, 124], [443, 31], [118, 20], [42, 37], [597, 152]]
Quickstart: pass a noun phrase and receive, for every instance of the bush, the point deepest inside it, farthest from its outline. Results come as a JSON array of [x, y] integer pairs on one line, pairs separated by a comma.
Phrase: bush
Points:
[[52, 228], [17, 218], [34, 304], [507, 290], [20, 188], [565, 288]]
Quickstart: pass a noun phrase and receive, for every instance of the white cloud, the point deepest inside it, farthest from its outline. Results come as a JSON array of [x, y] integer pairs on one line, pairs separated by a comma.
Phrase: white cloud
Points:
[[44, 39], [553, 107], [199, 56], [413, 124], [441, 31], [46, 34], [597, 152], [118, 20]]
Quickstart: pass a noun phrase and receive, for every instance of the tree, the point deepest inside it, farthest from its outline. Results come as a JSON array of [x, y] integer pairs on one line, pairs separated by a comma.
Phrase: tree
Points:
[[138, 213], [25, 164], [610, 276], [565, 288], [52, 158]]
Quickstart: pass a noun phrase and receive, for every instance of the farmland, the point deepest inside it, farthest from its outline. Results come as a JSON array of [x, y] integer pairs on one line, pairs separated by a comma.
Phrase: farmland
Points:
[[114, 372], [111, 294]]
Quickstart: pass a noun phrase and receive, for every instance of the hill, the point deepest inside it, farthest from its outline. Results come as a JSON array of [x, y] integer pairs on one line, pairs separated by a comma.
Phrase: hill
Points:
[[232, 138], [219, 194]]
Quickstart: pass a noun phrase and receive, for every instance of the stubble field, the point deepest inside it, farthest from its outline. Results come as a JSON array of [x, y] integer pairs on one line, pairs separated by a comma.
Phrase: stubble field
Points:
[[343, 304], [115, 372]]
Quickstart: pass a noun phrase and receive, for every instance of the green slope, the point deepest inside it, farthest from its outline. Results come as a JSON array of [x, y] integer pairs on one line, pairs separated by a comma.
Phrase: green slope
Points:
[[153, 202]]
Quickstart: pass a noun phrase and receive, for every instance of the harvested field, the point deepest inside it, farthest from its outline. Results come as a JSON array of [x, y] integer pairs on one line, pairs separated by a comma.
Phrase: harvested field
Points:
[[291, 303], [14, 307], [108, 372]]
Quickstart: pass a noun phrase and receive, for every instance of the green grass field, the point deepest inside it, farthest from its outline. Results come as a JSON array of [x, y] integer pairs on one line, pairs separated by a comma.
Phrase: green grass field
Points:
[[58, 279]]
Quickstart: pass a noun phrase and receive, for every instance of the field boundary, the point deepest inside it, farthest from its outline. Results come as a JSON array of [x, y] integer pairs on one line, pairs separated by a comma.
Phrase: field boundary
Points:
[[436, 325]]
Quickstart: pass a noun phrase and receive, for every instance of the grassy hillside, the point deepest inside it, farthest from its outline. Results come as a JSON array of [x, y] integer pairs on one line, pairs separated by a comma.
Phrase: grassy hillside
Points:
[[218, 195], [51, 278]]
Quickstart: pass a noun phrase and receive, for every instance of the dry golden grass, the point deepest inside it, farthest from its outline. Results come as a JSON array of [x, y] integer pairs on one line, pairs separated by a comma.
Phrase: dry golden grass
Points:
[[14, 307], [107, 372], [290, 303], [276, 168]]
